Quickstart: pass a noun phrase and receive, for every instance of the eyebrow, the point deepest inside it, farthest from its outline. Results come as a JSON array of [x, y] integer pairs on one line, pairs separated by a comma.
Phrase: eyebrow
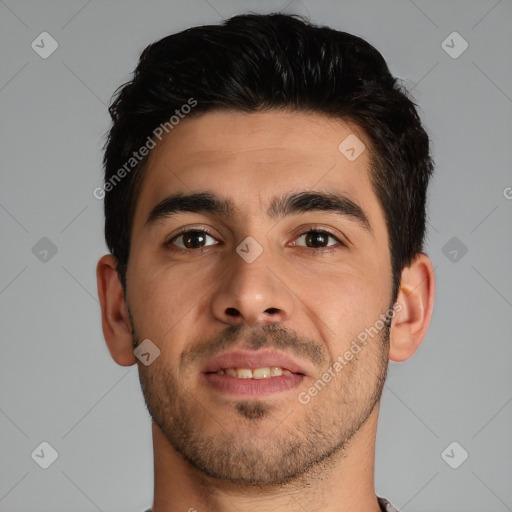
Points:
[[280, 207], [199, 202], [303, 202]]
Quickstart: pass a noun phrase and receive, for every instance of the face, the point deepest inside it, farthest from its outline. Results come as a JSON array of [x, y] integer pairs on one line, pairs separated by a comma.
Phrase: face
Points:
[[314, 274]]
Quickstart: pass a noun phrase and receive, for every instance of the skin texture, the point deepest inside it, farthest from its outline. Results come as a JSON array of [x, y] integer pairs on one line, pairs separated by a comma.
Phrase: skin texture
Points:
[[217, 452]]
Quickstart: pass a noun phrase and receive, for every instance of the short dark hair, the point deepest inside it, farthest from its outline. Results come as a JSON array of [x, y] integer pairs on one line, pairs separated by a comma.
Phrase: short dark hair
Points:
[[255, 63]]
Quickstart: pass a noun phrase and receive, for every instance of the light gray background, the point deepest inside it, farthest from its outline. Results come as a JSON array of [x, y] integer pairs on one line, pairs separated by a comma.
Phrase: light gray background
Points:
[[57, 381]]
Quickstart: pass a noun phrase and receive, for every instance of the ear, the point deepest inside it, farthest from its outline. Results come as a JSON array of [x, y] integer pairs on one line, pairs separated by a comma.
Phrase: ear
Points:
[[115, 320], [413, 308]]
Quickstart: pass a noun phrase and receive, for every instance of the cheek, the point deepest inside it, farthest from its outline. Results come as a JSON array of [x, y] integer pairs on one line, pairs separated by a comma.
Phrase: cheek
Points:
[[160, 297], [343, 304]]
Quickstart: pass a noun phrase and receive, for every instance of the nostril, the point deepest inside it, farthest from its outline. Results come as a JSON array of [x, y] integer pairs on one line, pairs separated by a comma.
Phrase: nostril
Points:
[[232, 312], [272, 311]]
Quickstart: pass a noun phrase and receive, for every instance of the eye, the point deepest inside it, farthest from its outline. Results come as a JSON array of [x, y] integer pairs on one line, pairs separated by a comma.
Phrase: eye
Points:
[[317, 239], [192, 239]]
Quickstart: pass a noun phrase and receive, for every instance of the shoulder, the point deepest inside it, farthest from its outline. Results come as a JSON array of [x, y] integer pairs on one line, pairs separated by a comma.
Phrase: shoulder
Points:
[[385, 505]]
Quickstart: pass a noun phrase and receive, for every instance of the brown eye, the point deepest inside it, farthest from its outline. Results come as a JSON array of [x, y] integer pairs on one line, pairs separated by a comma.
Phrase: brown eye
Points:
[[194, 239], [317, 239]]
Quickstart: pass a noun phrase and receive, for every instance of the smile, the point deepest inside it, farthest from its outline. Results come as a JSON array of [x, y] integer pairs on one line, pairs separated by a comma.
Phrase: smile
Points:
[[257, 373]]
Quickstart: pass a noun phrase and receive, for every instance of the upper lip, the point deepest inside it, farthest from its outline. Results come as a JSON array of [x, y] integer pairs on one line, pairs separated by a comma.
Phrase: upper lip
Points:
[[252, 359]]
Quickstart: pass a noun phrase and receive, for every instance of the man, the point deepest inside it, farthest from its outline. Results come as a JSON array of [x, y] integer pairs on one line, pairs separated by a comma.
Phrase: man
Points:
[[264, 194]]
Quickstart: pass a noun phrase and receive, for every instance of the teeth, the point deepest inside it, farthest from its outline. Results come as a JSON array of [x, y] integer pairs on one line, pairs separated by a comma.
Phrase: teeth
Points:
[[275, 371], [257, 373], [261, 373]]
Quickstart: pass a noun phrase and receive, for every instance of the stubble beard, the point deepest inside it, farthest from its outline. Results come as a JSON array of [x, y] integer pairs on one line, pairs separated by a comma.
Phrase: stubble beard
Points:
[[323, 430]]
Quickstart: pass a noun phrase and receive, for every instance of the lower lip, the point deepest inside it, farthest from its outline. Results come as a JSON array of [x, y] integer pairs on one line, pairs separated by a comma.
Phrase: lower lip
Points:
[[252, 387]]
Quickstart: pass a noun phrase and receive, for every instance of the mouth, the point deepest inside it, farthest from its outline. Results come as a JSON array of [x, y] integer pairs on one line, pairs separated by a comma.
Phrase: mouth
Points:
[[265, 372], [253, 373]]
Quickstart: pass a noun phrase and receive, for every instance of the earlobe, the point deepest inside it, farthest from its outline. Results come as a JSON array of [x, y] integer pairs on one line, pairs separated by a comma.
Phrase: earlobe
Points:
[[115, 320], [415, 303]]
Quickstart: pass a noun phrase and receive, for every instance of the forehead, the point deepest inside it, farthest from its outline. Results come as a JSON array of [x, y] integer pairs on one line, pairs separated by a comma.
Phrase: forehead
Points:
[[274, 137], [253, 157]]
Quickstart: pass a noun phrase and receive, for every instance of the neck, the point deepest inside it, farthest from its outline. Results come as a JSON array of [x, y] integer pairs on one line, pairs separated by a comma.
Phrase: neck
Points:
[[343, 483]]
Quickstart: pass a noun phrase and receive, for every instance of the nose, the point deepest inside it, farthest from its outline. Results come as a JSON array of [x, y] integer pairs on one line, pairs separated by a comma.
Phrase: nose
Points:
[[252, 293]]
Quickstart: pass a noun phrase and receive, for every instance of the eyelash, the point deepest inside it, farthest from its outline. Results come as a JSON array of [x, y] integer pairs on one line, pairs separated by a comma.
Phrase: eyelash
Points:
[[312, 229]]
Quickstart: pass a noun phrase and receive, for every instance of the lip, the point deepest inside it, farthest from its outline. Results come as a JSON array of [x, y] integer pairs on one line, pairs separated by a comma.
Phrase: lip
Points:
[[253, 359], [251, 388]]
